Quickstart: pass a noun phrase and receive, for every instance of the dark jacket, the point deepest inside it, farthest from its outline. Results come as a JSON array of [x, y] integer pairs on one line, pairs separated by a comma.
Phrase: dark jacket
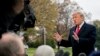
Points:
[[86, 42]]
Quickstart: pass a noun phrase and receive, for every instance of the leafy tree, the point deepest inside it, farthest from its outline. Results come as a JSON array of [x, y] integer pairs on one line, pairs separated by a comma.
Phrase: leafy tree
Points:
[[97, 24], [46, 14]]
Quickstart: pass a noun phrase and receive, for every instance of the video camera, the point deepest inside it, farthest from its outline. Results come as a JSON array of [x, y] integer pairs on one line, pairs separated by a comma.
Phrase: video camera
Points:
[[26, 19], [10, 22], [29, 15]]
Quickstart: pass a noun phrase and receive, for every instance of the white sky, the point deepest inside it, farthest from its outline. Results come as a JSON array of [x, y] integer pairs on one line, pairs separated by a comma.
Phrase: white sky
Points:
[[92, 6]]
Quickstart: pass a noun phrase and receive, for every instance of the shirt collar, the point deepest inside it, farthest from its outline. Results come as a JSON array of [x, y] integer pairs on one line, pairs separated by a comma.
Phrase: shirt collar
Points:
[[80, 26]]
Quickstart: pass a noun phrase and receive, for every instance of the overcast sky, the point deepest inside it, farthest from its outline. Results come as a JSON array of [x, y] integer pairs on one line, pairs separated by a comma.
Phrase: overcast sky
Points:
[[92, 6]]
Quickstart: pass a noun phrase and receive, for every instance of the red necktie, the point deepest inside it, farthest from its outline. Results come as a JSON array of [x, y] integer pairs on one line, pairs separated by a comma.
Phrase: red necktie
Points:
[[77, 30]]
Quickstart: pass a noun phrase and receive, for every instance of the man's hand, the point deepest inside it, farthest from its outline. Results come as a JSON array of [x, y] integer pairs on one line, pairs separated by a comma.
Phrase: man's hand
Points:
[[57, 37], [75, 36]]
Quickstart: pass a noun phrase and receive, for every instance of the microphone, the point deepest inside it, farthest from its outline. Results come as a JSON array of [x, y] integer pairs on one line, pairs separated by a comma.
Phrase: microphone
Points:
[[82, 54], [66, 54], [59, 53]]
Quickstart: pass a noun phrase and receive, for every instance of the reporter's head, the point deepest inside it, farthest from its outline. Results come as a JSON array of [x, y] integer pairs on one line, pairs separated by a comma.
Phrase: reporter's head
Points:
[[44, 50], [11, 45]]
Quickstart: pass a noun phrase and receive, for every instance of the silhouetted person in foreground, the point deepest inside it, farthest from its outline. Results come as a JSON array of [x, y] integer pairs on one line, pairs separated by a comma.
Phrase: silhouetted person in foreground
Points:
[[11, 45]]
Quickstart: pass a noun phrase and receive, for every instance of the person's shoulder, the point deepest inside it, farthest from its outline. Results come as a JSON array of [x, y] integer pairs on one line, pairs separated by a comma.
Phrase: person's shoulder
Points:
[[90, 25]]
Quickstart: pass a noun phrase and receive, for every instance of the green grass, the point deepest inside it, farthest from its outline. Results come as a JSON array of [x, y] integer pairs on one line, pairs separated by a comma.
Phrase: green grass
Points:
[[31, 51]]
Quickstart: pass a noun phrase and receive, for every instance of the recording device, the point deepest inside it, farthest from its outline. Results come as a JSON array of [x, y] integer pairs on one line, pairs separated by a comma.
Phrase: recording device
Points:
[[13, 23], [29, 15], [60, 53], [26, 19]]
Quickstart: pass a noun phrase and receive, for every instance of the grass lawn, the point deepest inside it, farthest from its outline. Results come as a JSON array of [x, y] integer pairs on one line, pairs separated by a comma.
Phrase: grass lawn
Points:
[[31, 51]]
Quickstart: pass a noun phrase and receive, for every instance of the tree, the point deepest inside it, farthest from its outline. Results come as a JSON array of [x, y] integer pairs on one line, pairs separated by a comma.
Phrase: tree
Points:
[[62, 20], [97, 24], [46, 14]]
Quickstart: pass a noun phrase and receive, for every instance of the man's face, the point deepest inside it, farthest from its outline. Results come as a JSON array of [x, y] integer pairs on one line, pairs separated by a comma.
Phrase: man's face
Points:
[[77, 18]]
